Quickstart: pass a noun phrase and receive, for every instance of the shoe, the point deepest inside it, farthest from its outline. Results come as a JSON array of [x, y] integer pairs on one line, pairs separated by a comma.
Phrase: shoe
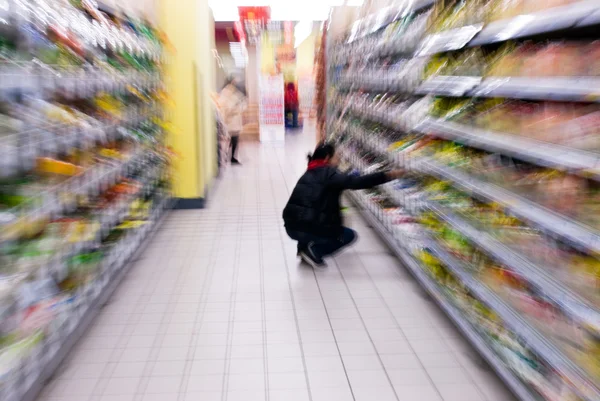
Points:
[[236, 161], [312, 263], [308, 256]]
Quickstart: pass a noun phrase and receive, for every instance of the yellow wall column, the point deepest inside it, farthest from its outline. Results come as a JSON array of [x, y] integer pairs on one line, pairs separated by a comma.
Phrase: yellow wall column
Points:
[[190, 76], [305, 54], [207, 79]]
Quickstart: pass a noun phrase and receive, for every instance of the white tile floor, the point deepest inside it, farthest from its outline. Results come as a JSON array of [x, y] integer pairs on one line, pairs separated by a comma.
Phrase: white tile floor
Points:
[[219, 309]]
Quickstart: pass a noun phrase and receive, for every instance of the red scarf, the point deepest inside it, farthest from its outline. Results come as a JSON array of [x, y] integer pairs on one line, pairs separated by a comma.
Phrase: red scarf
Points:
[[316, 164]]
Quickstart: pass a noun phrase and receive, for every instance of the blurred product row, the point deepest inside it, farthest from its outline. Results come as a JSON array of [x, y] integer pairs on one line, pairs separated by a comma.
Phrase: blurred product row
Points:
[[84, 173], [498, 214]]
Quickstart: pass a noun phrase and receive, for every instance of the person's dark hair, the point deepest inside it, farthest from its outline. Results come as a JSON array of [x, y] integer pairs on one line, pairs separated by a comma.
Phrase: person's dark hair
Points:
[[228, 80], [322, 151], [242, 89], [238, 85]]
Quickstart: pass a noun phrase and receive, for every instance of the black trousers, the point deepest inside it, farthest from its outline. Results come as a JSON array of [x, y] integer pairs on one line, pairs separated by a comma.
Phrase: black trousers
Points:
[[323, 246], [234, 144], [293, 121]]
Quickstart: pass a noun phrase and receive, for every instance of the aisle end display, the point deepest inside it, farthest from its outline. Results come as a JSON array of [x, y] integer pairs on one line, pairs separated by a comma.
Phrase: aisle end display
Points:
[[271, 108]]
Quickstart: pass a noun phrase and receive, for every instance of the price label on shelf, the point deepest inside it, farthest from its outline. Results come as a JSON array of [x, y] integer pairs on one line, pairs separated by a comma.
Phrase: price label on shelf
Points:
[[454, 39]]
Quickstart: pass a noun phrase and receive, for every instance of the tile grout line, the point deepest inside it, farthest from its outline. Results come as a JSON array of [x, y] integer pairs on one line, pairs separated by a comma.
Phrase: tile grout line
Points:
[[298, 331], [143, 385], [199, 320], [382, 298], [333, 334], [232, 307], [263, 302], [400, 328], [121, 350], [369, 334]]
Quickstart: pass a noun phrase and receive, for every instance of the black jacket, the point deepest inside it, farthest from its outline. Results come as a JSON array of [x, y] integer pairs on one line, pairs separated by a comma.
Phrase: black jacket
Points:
[[314, 206]]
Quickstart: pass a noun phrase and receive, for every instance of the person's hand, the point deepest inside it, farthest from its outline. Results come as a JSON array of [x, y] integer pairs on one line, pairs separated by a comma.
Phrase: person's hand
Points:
[[395, 174]]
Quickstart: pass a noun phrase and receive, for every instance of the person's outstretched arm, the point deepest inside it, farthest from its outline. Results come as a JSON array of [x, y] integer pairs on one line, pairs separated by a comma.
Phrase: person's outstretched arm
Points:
[[346, 181]]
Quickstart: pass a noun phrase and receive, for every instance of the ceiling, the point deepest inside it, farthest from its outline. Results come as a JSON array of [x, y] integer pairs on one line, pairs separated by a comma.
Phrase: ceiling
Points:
[[281, 10]]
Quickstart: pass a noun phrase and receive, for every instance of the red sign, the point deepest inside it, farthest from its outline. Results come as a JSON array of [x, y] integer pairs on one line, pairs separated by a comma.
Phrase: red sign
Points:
[[239, 30], [254, 19], [255, 13]]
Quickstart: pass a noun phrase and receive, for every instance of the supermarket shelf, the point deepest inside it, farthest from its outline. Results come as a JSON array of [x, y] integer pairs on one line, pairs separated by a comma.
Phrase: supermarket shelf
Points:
[[108, 219], [535, 340], [578, 15], [580, 236], [446, 85], [562, 296], [369, 142], [576, 89], [374, 22], [19, 151], [394, 195], [62, 196], [354, 162], [55, 268], [396, 159], [383, 82], [375, 148], [541, 153], [569, 301], [445, 41], [120, 262], [421, 5], [68, 269], [516, 386], [35, 78], [582, 14], [390, 119], [580, 162], [116, 213], [580, 382]]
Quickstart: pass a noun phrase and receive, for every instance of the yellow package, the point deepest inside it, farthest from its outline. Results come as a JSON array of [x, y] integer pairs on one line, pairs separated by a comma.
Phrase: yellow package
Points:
[[51, 166]]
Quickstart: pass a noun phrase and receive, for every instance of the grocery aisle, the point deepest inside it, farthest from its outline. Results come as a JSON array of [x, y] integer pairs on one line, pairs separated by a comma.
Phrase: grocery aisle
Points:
[[218, 308]]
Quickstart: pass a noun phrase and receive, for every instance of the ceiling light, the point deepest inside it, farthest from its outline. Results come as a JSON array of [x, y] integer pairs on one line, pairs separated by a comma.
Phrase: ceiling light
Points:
[[302, 31]]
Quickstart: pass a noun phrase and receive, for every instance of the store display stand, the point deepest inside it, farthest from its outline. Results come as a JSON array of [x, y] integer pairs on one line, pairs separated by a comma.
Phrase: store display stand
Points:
[[85, 175], [99, 297], [271, 108], [382, 84], [516, 386]]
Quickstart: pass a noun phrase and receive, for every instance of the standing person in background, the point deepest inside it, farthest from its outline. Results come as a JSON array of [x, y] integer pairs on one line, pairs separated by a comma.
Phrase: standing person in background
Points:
[[232, 102], [291, 103], [313, 215]]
